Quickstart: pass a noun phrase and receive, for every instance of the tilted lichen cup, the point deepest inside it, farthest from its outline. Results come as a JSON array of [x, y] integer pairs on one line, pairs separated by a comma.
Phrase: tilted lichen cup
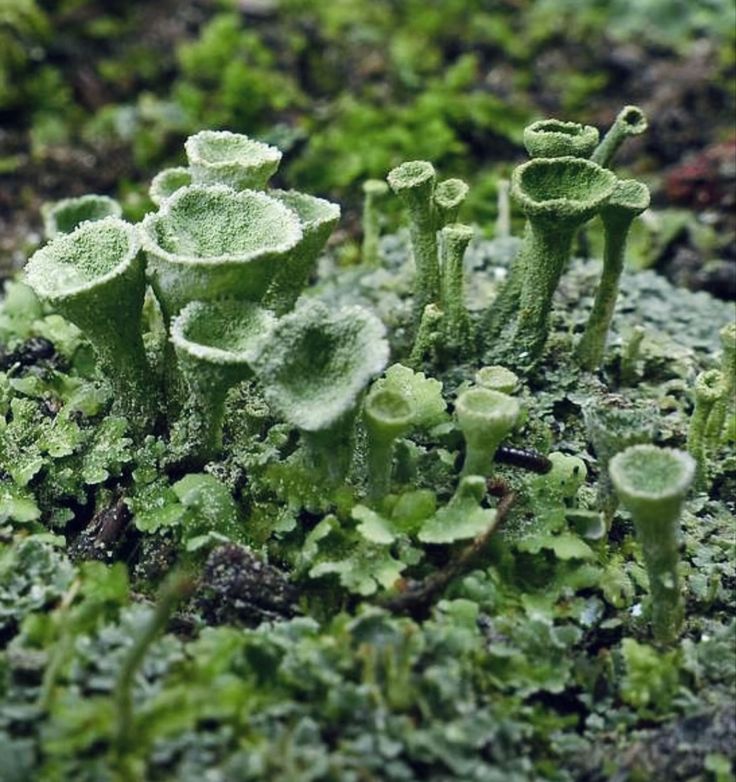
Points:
[[208, 242], [553, 138], [64, 216], [710, 389], [630, 121], [95, 278], [318, 219], [652, 483], [232, 159], [557, 195], [215, 343], [448, 197], [167, 182], [314, 369], [485, 419]]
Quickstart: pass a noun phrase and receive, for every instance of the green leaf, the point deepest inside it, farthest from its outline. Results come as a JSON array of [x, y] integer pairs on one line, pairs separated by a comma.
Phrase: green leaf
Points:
[[462, 517], [17, 504]]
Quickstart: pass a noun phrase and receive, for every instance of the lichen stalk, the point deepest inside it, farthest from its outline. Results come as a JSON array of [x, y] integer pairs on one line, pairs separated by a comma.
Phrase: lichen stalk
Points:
[[373, 192], [455, 239], [722, 421], [709, 390], [630, 121]]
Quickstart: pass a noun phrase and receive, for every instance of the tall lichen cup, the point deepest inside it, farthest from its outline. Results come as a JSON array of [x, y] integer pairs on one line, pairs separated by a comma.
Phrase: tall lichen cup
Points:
[[553, 138], [232, 159], [448, 197], [314, 369], [208, 242], [485, 419], [629, 199], [557, 195], [216, 343], [64, 216], [318, 219], [455, 239], [95, 278], [652, 483]]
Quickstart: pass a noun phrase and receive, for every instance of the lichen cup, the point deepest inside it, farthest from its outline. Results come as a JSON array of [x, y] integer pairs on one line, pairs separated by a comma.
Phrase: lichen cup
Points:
[[553, 138], [95, 278], [206, 242], [64, 216], [216, 343], [652, 483], [232, 159], [167, 182], [485, 419]]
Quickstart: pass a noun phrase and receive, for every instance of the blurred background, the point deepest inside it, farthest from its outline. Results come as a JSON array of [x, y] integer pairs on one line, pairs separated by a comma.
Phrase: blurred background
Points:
[[97, 96]]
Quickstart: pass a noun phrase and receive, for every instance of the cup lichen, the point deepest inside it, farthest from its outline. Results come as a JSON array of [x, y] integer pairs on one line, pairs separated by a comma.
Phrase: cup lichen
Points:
[[554, 138], [64, 216]]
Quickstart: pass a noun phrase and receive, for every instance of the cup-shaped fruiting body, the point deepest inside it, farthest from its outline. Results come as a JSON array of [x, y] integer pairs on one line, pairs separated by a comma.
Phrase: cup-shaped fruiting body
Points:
[[710, 389], [652, 483], [428, 336], [314, 369], [485, 418], [317, 218], [454, 241], [209, 242], [64, 216], [449, 196], [216, 343], [388, 414], [553, 138], [373, 191], [629, 122], [611, 429], [414, 183], [167, 182], [629, 199], [722, 420], [497, 378], [232, 159], [95, 278], [557, 195]]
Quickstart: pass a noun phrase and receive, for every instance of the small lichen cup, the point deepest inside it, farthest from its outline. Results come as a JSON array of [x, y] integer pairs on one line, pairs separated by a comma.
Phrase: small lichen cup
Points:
[[630, 121], [485, 419], [206, 242], [216, 343], [232, 159], [448, 197], [652, 483], [554, 138], [64, 216], [95, 278], [167, 182], [497, 378]]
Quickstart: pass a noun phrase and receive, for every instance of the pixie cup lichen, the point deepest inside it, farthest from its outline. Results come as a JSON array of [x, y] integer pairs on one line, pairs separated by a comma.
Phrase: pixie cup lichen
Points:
[[721, 424], [64, 216], [485, 419], [454, 241], [557, 195], [710, 389], [388, 414], [553, 138], [652, 483], [497, 378], [232, 159], [206, 242], [629, 199], [314, 369], [215, 344], [630, 121], [95, 278], [167, 182], [449, 196], [317, 218]]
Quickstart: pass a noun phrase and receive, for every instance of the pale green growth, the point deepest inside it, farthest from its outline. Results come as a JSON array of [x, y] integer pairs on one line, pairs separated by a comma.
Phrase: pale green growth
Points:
[[64, 216], [629, 122], [553, 138], [497, 378], [209, 242], [414, 183], [428, 335], [629, 199], [221, 157], [652, 483], [463, 517], [503, 205], [387, 414], [374, 191], [424, 393], [630, 355], [485, 419], [318, 219], [314, 369], [557, 195], [95, 278], [449, 196], [722, 421], [611, 429], [454, 241], [506, 304], [710, 389], [167, 182], [215, 344]]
